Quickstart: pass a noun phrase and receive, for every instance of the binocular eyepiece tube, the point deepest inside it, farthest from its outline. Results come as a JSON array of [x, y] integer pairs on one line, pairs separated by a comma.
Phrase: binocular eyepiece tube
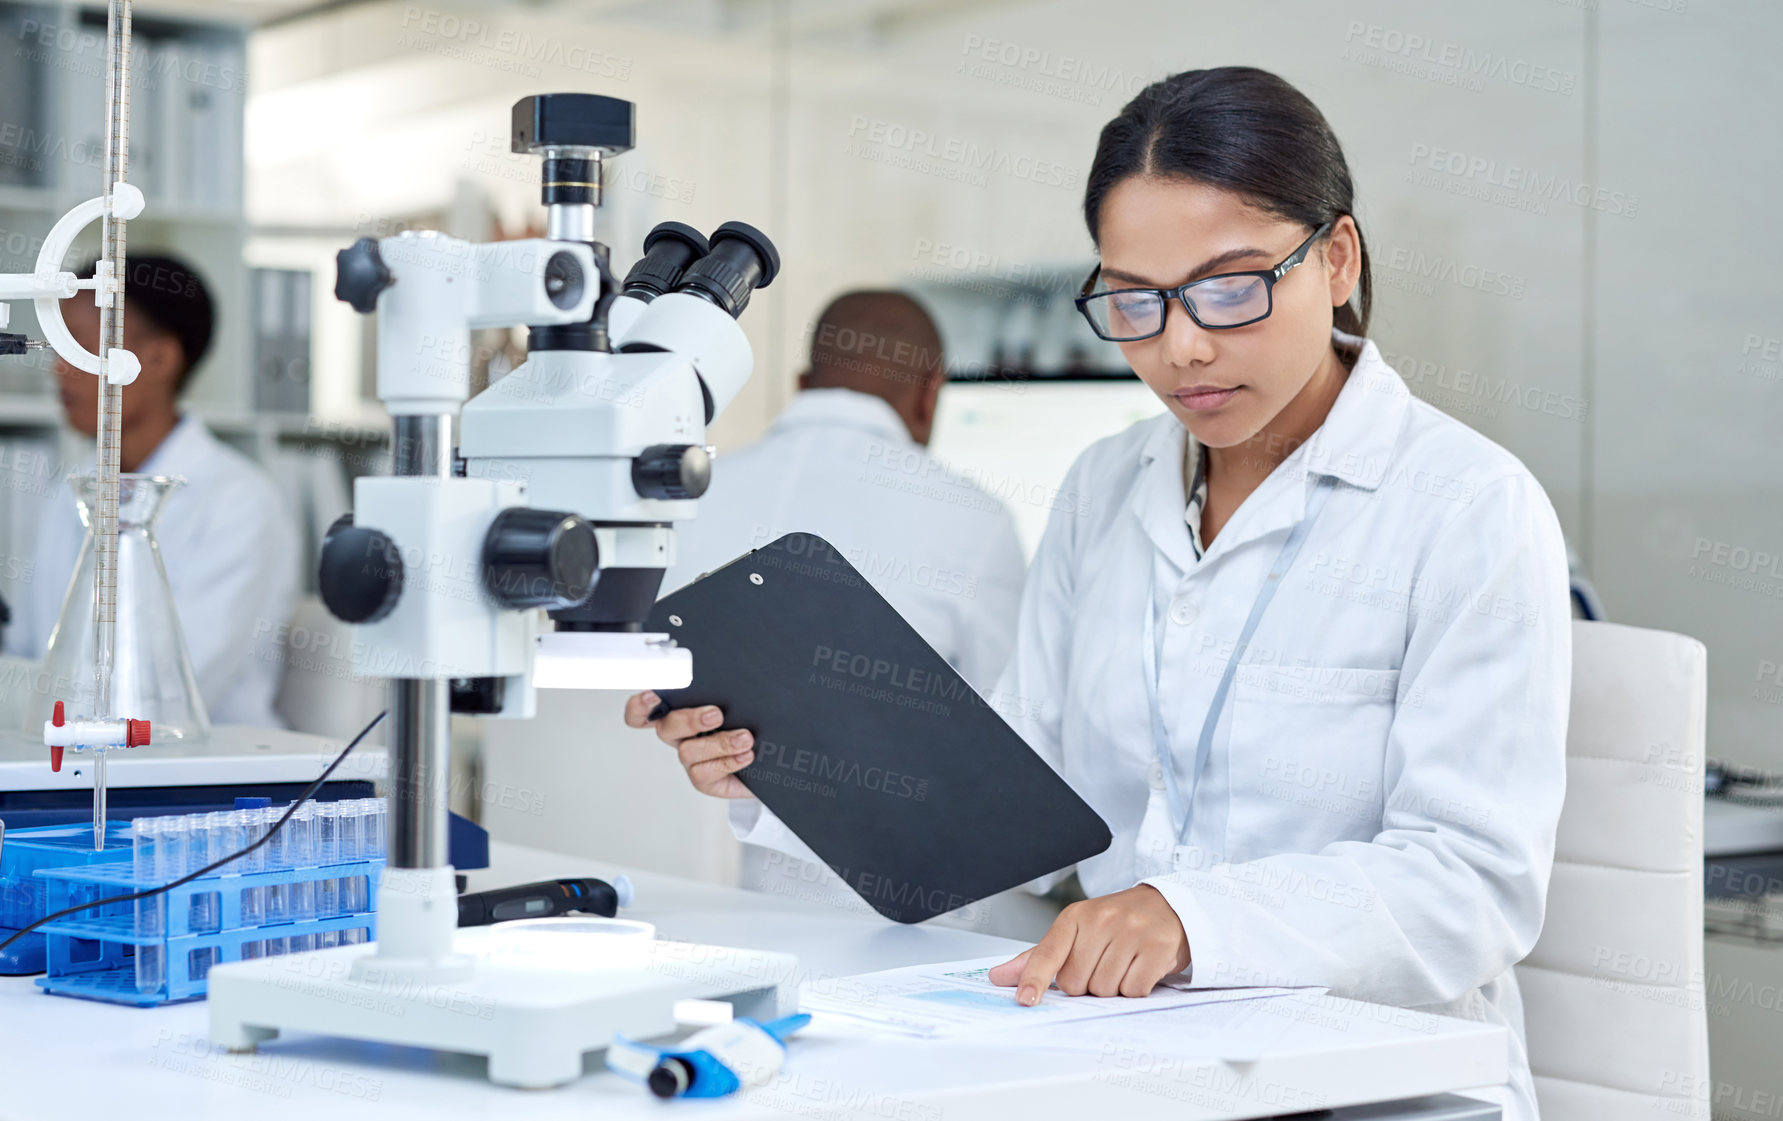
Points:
[[724, 270]]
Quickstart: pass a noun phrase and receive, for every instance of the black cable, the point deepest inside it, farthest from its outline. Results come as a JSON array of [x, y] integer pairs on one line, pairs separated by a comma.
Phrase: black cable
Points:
[[186, 879]]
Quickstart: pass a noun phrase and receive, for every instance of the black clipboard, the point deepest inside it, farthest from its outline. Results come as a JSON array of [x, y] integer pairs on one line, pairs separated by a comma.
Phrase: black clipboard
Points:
[[868, 745]]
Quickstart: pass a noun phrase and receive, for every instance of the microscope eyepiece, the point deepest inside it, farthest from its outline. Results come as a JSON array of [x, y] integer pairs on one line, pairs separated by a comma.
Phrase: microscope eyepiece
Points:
[[741, 260], [668, 250]]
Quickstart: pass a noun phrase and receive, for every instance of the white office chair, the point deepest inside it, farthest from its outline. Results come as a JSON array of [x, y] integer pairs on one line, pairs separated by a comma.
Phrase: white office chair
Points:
[[318, 692], [1613, 992]]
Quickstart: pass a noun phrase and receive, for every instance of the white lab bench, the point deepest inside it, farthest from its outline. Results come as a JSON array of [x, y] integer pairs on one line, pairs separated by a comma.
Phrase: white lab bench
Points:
[[62, 1059]]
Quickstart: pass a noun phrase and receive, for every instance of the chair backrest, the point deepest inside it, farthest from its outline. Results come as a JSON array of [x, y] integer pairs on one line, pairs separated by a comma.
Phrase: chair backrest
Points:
[[1613, 992], [318, 692]]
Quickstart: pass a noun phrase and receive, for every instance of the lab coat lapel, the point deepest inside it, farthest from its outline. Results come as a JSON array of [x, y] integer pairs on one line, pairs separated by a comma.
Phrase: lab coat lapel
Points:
[[1355, 444], [1278, 503], [1158, 500]]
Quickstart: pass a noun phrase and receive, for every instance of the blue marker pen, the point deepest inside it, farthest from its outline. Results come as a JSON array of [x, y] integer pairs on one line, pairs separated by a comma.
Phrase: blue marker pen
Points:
[[709, 1064]]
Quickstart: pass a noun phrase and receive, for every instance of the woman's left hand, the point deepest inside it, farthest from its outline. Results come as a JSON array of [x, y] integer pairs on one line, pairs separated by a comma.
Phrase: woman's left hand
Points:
[[1115, 945]]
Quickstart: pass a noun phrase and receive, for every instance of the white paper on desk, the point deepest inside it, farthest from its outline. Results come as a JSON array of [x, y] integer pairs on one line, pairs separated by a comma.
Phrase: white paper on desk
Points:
[[1237, 1031], [956, 998]]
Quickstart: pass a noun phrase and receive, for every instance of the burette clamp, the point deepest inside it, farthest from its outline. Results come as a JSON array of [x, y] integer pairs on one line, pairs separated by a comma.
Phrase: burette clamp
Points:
[[49, 284]]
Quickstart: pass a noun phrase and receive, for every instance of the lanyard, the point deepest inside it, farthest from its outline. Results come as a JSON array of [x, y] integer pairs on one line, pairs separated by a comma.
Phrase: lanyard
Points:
[[1179, 806]]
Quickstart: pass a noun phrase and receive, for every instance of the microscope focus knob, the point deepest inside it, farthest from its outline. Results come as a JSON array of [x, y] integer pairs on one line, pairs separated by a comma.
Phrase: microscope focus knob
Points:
[[360, 573], [539, 558], [672, 471], [360, 274]]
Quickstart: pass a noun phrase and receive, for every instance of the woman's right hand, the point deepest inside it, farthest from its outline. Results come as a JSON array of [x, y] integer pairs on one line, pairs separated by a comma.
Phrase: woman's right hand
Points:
[[710, 757]]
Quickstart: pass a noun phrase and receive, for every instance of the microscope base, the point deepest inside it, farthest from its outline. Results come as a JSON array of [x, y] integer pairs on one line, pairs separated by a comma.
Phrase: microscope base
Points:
[[533, 1024]]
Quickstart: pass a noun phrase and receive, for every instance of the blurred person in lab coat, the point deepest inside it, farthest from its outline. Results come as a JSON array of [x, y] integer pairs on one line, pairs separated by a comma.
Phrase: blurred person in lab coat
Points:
[[228, 542], [1310, 659], [847, 460]]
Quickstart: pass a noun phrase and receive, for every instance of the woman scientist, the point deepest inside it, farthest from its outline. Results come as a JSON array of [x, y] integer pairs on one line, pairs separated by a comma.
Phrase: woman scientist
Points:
[[1305, 643]]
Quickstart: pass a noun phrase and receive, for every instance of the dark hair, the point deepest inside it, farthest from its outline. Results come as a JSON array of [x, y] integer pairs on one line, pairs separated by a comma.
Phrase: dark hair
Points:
[[1244, 130], [167, 292]]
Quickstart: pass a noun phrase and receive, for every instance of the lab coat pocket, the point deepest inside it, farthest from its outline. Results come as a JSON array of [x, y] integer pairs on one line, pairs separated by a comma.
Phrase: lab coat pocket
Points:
[[1306, 754]]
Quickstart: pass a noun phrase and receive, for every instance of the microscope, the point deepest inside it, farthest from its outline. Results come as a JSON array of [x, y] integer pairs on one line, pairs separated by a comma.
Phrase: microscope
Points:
[[525, 554]]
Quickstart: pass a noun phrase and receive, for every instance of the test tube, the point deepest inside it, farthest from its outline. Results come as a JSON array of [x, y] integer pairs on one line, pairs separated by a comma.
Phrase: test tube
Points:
[[151, 966], [278, 858], [236, 834], [328, 892], [215, 830], [220, 845], [302, 849], [198, 915], [352, 849], [377, 828], [170, 850], [253, 899]]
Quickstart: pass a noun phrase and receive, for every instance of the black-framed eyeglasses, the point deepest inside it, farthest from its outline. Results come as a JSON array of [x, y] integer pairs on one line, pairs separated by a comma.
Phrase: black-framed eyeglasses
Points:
[[1217, 303]]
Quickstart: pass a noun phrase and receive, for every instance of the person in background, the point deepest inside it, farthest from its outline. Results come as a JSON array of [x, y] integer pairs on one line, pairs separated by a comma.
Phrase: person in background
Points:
[[847, 460], [226, 538]]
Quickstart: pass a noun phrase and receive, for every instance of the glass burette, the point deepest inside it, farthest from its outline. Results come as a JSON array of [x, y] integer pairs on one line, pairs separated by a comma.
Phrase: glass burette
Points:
[[111, 396]]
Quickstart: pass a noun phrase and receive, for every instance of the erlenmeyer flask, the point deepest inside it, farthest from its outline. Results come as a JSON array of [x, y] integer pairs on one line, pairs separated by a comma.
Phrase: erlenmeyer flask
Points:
[[151, 675]]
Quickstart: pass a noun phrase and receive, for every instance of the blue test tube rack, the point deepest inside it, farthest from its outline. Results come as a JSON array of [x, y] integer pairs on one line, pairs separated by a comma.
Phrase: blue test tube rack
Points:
[[94, 955], [24, 896]]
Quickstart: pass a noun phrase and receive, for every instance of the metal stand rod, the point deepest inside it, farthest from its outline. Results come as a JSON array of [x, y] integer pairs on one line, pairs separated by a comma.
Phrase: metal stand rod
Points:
[[421, 756], [423, 446], [420, 768]]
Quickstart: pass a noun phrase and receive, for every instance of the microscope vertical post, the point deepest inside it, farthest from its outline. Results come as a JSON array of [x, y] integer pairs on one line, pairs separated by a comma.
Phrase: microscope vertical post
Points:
[[420, 722]]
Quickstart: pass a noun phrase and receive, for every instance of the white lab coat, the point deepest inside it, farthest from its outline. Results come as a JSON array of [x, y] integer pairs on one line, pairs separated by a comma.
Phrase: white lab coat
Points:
[[1379, 807], [842, 465], [230, 548]]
